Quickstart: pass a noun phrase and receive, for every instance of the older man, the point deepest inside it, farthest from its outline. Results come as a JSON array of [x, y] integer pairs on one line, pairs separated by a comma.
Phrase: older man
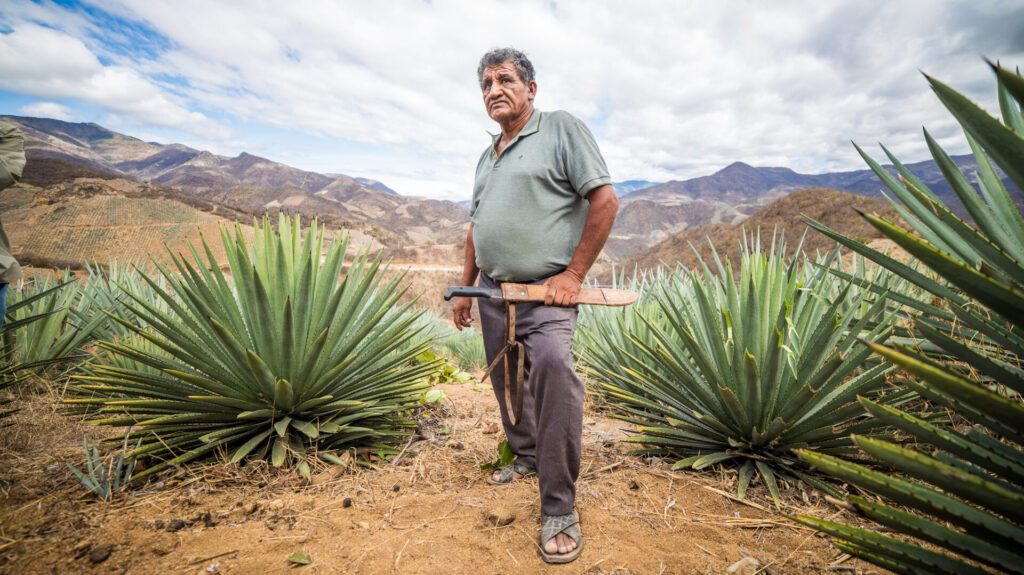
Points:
[[543, 206]]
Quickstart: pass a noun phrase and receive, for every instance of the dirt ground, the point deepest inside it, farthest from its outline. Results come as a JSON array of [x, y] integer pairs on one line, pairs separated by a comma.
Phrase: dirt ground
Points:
[[422, 512]]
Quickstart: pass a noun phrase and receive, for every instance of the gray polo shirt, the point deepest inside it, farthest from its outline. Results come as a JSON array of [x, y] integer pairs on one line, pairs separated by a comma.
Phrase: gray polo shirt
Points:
[[529, 203]]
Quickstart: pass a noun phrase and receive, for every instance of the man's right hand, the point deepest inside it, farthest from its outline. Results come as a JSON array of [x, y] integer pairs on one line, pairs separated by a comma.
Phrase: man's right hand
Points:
[[460, 312]]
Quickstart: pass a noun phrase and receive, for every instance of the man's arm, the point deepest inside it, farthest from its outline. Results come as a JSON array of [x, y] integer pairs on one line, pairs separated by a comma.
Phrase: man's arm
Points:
[[12, 155], [462, 305], [565, 287]]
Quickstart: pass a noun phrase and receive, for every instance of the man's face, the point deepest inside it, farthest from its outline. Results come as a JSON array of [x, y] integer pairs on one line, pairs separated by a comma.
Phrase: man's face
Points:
[[506, 97]]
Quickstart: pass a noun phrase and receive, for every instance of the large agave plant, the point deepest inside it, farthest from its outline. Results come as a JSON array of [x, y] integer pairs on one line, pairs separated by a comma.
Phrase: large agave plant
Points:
[[713, 367], [282, 360], [964, 494]]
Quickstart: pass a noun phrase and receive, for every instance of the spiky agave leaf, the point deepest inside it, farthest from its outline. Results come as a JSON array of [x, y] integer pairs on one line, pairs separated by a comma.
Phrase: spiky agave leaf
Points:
[[279, 360], [717, 368], [966, 494]]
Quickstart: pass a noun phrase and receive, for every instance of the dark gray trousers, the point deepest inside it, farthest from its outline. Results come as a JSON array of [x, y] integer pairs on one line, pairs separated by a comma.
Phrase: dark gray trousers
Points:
[[548, 436]]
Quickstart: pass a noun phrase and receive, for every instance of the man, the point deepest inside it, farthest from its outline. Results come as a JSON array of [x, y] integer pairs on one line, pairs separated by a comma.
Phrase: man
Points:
[[12, 162], [543, 206]]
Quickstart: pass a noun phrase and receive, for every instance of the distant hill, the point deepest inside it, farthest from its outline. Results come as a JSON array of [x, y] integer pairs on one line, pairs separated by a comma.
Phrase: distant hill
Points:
[[732, 194], [375, 185], [835, 208], [42, 172], [93, 219], [98, 220], [246, 182], [629, 186], [649, 213]]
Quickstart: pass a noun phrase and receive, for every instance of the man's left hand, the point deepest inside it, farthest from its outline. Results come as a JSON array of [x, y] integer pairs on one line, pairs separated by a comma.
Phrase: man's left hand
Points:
[[563, 289]]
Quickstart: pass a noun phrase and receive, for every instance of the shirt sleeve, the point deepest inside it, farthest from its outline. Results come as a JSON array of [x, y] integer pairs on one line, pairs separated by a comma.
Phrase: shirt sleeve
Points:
[[584, 164], [12, 155]]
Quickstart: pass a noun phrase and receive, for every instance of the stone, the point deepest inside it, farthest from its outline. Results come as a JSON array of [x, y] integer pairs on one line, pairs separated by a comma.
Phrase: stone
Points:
[[175, 525], [745, 566], [500, 516], [100, 553]]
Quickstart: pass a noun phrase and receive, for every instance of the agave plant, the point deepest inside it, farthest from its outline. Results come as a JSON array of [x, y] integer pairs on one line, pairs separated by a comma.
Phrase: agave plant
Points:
[[13, 372], [283, 361], [467, 349], [105, 481], [964, 495], [106, 288], [714, 367], [61, 325]]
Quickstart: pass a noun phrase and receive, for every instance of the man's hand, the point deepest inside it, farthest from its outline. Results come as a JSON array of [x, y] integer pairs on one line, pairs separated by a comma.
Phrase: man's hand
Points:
[[563, 289], [460, 312]]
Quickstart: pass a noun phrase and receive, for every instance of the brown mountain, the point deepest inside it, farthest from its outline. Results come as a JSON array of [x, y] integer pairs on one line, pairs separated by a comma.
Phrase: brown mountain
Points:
[[256, 185], [835, 208], [735, 192], [246, 182]]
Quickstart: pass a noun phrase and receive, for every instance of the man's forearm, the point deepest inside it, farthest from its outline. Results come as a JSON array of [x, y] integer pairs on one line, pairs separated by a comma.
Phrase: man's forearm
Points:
[[603, 207], [469, 269]]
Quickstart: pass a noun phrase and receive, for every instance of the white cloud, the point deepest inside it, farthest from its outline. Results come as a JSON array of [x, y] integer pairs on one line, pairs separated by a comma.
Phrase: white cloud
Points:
[[671, 89], [47, 63], [47, 110]]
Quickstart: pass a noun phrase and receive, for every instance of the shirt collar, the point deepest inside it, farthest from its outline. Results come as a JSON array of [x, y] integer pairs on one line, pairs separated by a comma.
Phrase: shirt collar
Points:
[[532, 125]]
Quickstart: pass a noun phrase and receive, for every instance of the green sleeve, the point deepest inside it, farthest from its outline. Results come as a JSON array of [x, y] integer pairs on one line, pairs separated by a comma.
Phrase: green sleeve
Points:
[[584, 164], [12, 155]]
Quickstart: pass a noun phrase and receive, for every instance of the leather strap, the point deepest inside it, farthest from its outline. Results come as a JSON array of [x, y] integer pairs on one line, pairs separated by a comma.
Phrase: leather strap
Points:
[[512, 352]]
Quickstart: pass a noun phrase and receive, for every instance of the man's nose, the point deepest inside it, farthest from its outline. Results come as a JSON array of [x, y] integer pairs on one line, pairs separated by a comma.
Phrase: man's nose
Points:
[[494, 88]]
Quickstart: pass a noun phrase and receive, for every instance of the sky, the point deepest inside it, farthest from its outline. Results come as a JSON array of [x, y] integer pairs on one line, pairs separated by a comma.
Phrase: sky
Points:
[[388, 90]]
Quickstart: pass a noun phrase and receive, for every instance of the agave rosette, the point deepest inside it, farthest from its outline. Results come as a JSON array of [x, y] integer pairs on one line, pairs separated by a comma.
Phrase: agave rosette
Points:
[[715, 368], [282, 360]]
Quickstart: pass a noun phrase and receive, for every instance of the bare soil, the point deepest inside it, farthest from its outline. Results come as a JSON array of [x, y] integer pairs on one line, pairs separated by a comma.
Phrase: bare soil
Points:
[[422, 512]]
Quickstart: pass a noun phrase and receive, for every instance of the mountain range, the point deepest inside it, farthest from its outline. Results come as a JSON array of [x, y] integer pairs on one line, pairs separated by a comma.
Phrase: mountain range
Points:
[[246, 182], [59, 152], [656, 213]]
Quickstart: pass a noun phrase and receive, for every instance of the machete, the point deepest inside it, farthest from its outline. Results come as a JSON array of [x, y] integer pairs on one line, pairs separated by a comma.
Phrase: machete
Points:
[[514, 351], [522, 293]]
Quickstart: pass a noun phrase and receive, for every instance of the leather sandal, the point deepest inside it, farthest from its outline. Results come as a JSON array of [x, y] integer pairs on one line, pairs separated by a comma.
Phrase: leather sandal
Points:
[[507, 474], [555, 524]]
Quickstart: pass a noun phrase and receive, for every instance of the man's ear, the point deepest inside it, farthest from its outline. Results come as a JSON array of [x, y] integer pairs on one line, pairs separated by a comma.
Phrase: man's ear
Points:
[[532, 89]]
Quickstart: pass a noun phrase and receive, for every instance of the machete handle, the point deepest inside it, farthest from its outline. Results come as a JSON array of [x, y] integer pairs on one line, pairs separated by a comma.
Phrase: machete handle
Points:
[[466, 291]]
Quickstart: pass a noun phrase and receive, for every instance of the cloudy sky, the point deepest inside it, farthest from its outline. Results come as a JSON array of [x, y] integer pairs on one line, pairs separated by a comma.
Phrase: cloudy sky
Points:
[[387, 90]]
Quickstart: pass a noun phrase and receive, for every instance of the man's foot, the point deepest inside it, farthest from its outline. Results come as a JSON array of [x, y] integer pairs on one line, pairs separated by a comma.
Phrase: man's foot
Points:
[[561, 540], [510, 473], [561, 544]]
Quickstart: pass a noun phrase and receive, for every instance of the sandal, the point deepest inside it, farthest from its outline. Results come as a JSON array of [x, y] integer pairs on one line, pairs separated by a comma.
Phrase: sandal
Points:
[[507, 474], [555, 524]]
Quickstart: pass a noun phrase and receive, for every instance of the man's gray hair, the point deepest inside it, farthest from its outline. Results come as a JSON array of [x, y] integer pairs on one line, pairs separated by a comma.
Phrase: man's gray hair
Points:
[[499, 56]]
